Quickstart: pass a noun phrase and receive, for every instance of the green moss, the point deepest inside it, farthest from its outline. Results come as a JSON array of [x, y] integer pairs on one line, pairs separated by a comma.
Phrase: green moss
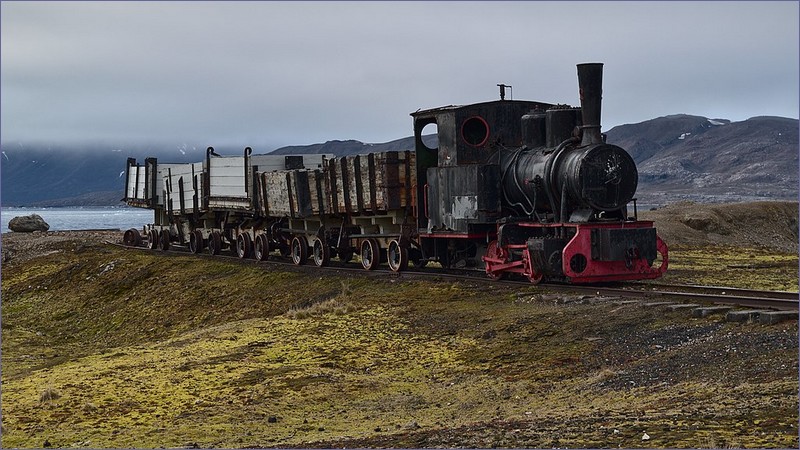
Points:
[[739, 267], [168, 351]]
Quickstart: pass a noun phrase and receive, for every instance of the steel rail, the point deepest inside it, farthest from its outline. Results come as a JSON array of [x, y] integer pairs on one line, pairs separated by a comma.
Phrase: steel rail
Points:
[[750, 298]]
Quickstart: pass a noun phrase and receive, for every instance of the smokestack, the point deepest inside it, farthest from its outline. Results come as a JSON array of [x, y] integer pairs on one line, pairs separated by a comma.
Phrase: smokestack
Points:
[[590, 84]]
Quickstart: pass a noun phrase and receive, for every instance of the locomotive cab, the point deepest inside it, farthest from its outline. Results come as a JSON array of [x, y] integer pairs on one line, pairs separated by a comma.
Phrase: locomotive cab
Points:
[[458, 180]]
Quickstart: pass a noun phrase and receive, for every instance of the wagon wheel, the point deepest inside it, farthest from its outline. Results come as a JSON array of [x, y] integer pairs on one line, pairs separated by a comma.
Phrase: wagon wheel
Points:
[[494, 251], [243, 245], [262, 247], [370, 254], [163, 240], [152, 237], [214, 243], [321, 253], [397, 256], [196, 241], [299, 250], [132, 238]]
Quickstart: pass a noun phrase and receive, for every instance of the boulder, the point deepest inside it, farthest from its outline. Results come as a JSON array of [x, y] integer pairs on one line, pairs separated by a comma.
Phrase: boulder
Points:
[[28, 224]]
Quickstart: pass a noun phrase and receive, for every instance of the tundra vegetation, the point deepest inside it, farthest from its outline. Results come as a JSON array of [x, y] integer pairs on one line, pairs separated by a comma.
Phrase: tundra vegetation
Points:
[[110, 347]]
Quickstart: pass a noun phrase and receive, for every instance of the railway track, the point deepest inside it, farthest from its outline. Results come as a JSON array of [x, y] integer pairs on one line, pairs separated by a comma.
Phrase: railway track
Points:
[[749, 298]]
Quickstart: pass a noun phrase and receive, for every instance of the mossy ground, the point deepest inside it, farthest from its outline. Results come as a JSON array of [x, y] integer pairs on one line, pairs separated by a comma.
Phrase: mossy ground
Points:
[[105, 347], [729, 266]]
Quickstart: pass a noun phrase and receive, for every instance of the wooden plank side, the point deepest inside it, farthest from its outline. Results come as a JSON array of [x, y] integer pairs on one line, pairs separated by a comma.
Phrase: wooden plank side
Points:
[[317, 188], [364, 183], [182, 173], [136, 182], [343, 185], [140, 185], [302, 191], [408, 174], [163, 171], [352, 183], [382, 172], [330, 181], [227, 177], [261, 194], [277, 194]]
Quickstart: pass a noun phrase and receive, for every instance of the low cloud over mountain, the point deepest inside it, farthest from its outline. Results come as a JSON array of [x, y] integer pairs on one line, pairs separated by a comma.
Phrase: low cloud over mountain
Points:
[[679, 157]]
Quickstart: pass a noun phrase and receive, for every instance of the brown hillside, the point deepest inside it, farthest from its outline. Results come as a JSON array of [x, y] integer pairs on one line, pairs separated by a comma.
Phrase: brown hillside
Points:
[[769, 225]]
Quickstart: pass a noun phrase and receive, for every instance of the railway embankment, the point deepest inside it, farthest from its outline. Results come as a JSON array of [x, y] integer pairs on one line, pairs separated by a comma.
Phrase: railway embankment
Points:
[[104, 346]]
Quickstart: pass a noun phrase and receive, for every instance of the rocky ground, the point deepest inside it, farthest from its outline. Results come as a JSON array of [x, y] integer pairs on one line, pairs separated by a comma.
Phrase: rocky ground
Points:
[[109, 347], [22, 247]]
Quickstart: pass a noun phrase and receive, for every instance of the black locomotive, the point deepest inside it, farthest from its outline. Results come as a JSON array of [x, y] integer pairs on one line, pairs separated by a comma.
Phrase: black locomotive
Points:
[[511, 187]]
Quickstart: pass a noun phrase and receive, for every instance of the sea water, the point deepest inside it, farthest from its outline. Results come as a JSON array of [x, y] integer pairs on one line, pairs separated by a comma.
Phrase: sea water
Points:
[[83, 218]]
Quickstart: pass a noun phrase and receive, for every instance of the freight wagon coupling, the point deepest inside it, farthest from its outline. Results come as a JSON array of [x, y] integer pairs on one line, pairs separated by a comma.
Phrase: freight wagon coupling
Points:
[[510, 187]]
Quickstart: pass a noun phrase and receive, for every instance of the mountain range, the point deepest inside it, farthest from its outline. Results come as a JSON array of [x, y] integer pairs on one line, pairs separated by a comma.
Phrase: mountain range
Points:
[[679, 157]]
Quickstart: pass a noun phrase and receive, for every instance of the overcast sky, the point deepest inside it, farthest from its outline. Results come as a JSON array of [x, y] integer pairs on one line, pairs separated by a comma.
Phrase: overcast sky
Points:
[[269, 74]]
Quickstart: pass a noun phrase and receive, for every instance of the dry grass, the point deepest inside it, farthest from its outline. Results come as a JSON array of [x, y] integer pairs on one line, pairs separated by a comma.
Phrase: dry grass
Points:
[[339, 305], [49, 395]]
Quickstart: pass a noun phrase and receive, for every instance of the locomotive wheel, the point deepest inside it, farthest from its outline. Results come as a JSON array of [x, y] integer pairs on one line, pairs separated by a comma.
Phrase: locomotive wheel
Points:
[[533, 274], [132, 238], [536, 278], [299, 250], [243, 245], [163, 240], [262, 247], [214, 243], [152, 238], [196, 241], [370, 254], [494, 251], [397, 256], [321, 253]]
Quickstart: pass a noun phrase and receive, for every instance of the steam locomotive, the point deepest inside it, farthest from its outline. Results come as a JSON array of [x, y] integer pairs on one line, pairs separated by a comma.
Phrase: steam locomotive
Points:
[[511, 187]]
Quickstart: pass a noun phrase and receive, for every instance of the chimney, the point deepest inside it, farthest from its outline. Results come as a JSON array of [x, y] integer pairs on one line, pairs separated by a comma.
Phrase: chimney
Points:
[[590, 84]]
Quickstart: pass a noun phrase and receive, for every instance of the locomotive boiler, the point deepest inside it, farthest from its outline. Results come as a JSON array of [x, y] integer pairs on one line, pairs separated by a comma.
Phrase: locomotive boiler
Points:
[[581, 175], [510, 187]]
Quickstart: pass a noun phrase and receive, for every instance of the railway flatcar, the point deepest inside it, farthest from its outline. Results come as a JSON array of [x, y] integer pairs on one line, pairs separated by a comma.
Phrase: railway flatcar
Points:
[[512, 188]]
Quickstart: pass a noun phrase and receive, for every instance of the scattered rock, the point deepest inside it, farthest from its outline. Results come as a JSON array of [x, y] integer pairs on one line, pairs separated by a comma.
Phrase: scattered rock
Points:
[[28, 224], [645, 437], [413, 425], [272, 419]]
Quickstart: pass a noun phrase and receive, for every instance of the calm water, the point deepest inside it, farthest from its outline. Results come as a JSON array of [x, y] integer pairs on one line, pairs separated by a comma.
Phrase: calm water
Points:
[[80, 218], [83, 218]]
